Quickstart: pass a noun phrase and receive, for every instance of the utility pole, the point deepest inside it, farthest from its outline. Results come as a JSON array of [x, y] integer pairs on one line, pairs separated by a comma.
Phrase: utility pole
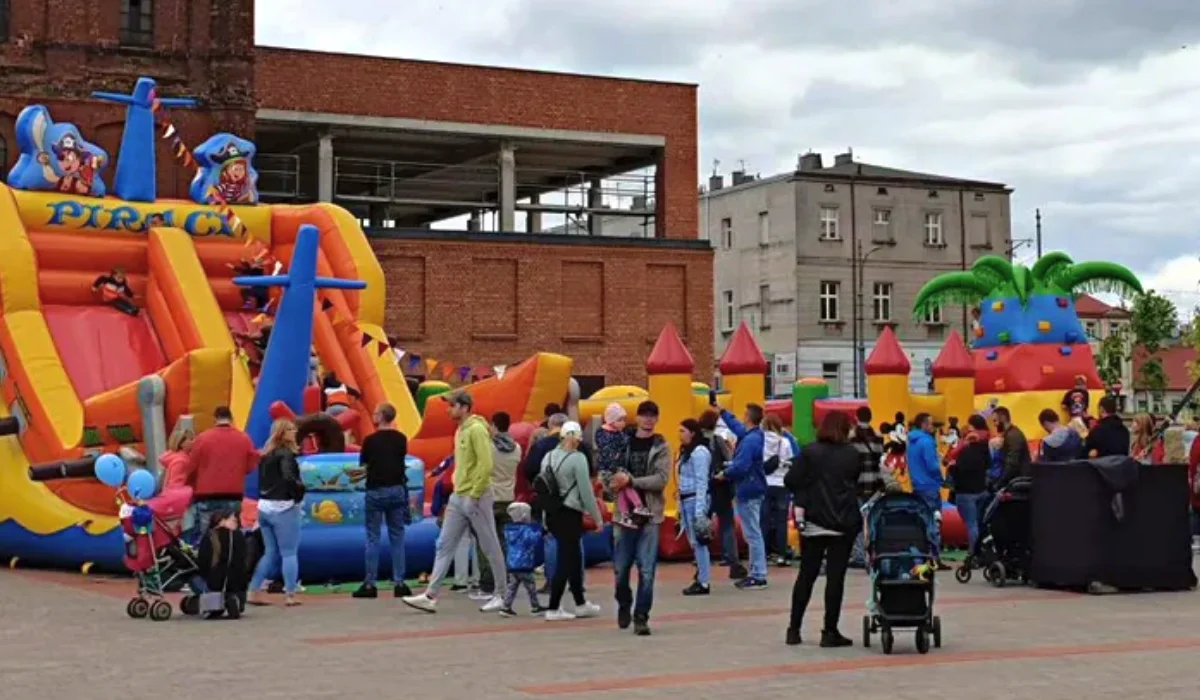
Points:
[[1038, 216]]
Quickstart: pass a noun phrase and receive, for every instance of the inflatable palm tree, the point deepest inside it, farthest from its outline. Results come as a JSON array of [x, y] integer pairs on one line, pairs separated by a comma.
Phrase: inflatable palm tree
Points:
[[1029, 346]]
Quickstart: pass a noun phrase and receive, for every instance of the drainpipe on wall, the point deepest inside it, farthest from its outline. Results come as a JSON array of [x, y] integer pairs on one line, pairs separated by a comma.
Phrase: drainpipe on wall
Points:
[[855, 275], [962, 232]]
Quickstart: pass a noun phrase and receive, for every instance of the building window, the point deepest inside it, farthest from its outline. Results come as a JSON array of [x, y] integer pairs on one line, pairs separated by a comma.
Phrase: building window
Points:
[[764, 306], [933, 229], [831, 372], [978, 233], [829, 224], [1089, 327], [881, 231], [882, 298], [137, 22], [829, 301], [978, 196], [882, 192], [727, 233], [764, 228], [934, 316], [727, 310]]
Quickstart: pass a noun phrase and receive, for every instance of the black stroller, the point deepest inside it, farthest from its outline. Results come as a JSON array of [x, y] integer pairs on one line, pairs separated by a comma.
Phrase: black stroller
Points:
[[1002, 549], [901, 547]]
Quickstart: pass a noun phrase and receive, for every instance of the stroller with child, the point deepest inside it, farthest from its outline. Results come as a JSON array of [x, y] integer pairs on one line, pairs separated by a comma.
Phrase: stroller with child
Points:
[[901, 537], [1002, 549], [155, 553]]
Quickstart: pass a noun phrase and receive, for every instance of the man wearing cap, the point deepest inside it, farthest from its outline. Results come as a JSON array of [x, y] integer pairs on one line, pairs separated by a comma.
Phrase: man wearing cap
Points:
[[469, 507], [646, 466]]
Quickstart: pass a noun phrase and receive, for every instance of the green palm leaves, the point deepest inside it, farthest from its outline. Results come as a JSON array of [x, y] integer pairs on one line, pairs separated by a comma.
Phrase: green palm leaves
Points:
[[994, 277]]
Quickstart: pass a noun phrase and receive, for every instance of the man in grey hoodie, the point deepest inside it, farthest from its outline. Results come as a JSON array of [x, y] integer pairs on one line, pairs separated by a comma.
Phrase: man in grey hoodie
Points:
[[647, 466], [506, 455]]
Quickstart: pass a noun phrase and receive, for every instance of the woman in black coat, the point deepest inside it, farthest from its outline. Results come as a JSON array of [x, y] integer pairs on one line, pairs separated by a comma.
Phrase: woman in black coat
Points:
[[824, 482]]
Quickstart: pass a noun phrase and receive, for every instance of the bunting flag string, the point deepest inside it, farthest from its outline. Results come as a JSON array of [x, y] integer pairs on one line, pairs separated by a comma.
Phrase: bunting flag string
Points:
[[183, 154]]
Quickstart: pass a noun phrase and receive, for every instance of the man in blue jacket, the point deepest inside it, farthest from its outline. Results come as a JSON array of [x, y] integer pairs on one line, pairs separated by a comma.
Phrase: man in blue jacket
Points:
[[745, 470], [924, 465]]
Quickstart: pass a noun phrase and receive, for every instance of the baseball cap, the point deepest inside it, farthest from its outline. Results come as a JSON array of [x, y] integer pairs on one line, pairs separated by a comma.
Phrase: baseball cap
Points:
[[571, 429]]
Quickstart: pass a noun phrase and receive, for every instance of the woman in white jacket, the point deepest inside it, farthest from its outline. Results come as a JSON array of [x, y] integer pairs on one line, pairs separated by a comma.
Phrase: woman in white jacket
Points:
[[777, 458]]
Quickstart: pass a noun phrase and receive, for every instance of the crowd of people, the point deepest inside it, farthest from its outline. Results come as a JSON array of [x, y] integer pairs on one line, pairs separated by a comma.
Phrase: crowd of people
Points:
[[497, 504]]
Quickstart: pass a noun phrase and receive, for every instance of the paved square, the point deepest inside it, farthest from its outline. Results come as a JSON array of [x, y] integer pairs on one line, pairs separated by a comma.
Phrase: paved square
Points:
[[67, 636]]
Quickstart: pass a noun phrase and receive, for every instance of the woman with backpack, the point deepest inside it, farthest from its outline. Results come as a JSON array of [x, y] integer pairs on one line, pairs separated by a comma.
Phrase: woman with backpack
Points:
[[695, 462], [564, 494]]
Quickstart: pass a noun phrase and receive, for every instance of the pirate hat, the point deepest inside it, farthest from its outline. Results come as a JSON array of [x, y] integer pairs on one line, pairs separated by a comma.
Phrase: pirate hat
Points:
[[68, 143], [228, 152]]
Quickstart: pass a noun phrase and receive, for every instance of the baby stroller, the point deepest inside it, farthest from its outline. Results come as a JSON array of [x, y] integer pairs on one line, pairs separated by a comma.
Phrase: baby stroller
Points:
[[901, 548], [219, 588], [1002, 549], [155, 553]]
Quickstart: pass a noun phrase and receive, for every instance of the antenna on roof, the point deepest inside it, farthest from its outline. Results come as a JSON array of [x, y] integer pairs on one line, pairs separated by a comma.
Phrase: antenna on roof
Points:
[[742, 165], [716, 166]]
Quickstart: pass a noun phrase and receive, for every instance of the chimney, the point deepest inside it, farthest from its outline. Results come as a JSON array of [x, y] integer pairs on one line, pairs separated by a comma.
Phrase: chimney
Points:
[[809, 162], [739, 176], [716, 182], [844, 158]]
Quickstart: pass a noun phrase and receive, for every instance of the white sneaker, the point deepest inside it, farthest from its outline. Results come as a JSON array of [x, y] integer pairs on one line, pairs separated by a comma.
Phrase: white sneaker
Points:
[[479, 595], [588, 609], [559, 615], [421, 602], [495, 603]]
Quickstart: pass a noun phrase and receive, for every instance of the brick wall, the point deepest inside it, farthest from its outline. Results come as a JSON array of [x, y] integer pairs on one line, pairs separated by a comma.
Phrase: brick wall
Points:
[[453, 299], [347, 84]]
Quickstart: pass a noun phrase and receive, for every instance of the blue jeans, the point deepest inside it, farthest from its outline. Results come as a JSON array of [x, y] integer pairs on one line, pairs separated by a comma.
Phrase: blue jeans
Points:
[[281, 542], [775, 520], [933, 499], [550, 558], [703, 561], [201, 512], [968, 505], [390, 503], [750, 511], [638, 546]]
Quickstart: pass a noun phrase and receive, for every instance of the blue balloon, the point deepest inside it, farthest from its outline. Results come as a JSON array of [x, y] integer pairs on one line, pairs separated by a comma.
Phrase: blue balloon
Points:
[[110, 470], [142, 485]]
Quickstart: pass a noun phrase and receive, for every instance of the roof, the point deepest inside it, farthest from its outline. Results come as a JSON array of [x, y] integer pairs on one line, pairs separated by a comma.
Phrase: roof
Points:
[[742, 355], [1088, 306], [1176, 362], [953, 360], [867, 171], [887, 357], [670, 355]]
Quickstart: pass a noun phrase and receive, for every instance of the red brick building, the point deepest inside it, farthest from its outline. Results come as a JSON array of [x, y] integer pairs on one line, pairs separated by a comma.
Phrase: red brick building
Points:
[[406, 143]]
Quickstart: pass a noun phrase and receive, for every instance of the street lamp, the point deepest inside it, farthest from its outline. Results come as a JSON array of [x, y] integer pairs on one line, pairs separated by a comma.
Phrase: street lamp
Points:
[[860, 360]]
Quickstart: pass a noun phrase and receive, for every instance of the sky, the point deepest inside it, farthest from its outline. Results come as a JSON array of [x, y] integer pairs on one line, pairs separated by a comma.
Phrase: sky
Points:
[[1088, 109]]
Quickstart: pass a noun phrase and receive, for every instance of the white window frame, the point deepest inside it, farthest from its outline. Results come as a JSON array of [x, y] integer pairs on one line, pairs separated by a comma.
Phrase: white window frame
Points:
[[764, 228], [764, 307], [728, 311], [1092, 329], [881, 301], [934, 316], [829, 301], [935, 233], [829, 223], [885, 220], [727, 233]]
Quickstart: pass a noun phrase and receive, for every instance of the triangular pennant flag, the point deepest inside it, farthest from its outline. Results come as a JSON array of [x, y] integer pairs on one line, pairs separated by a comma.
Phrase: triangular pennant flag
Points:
[[430, 365], [447, 371], [383, 348], [463, 373], [482, 371], [366, 339], [326, 304], [414, 361], [168, 130], [155, 105], [187, 159], [500, 370], [399, 353]]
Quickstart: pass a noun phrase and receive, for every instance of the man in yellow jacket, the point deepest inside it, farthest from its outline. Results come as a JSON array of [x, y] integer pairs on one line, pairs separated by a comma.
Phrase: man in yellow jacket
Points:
[[469, 508]]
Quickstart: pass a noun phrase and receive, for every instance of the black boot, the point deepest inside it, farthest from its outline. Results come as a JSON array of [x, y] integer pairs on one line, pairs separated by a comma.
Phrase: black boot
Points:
[[641, 627], [737, 572], [793, 637], [832, 639]]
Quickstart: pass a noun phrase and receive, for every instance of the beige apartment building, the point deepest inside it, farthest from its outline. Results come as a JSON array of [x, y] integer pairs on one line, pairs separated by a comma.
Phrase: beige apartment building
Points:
[[818, 260]]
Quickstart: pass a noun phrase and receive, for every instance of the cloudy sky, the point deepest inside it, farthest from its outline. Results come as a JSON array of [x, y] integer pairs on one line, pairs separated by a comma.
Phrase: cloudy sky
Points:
[[1089, 109]]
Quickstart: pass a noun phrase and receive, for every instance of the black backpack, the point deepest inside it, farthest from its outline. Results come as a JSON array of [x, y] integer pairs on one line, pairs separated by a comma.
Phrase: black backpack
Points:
[[720, 455], [547, 496]]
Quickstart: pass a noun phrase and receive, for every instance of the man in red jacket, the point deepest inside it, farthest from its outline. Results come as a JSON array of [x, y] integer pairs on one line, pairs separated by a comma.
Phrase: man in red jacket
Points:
[[217, 466]]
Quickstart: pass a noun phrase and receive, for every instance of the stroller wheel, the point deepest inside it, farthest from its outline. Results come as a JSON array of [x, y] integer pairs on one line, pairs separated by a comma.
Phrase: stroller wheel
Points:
[[963, 573], [867, 631], [190, 605], [887, 640], [922, 640], [996, 574], [138, 608], [160, 611], [937, 632]]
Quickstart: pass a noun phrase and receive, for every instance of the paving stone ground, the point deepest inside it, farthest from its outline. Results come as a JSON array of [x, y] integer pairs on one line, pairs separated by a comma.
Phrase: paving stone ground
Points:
[[67, 636]]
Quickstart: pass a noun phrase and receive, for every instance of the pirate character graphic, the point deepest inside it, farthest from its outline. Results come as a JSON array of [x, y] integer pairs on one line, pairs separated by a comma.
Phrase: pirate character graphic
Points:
[[77, 165], [233, 184]]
